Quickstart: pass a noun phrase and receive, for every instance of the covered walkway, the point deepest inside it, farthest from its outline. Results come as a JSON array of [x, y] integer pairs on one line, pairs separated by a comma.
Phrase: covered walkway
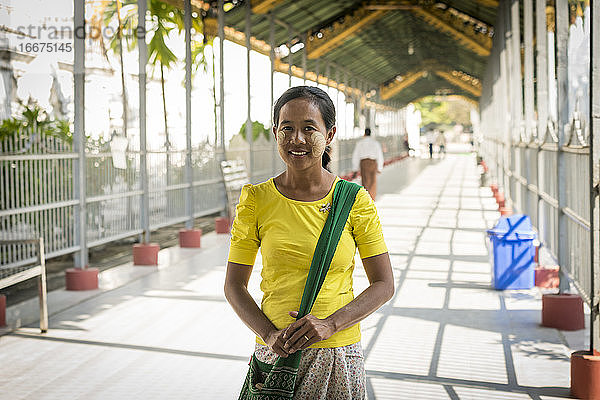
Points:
[[129, 152], [167, 331]]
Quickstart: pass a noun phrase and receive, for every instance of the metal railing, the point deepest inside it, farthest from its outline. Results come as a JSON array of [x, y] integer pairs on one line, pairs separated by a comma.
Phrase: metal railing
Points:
[[12, 275], [534, 190], [553, 177], [37, 189]]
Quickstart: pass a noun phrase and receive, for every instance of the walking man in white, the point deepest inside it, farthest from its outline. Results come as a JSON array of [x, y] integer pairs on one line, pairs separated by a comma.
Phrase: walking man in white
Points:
[[368, 158]]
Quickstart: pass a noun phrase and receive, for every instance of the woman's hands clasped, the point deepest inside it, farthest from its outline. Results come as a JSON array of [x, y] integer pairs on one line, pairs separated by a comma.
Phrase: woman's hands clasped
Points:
[[305, 332]]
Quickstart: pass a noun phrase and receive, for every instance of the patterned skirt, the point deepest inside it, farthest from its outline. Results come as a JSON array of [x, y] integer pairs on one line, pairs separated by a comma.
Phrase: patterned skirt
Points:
[[328, 373]]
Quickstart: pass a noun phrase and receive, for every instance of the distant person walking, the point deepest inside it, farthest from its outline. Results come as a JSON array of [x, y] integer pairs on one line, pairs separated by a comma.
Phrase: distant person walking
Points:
[[441, 142], [430, 138], [368, 158]]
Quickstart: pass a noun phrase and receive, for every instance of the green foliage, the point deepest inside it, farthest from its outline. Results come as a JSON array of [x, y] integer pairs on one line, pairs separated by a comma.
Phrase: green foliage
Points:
[[433, 112], [443, 114], [258, 129], [34, 120], [129, 23], [9, 127], [163, 19], [30, 132], [199, 62]]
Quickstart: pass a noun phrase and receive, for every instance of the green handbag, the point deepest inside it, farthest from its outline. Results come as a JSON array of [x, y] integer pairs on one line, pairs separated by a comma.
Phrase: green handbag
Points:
[[277, 381]]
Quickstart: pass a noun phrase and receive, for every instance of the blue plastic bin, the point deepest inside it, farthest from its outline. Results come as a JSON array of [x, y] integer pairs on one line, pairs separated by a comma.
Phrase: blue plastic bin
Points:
[[512, 241]]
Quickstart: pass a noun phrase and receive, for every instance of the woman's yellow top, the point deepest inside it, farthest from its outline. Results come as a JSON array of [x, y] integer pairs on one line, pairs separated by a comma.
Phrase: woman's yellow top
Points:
[[287, 231]]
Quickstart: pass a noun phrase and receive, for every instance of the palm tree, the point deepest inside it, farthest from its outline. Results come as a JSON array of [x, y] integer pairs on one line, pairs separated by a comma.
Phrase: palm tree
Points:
[[164, 18], [125, 14]]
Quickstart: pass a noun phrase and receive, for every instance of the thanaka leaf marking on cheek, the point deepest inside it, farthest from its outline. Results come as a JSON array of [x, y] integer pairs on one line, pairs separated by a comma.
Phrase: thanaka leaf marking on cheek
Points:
[[318, 141], [280, 137]]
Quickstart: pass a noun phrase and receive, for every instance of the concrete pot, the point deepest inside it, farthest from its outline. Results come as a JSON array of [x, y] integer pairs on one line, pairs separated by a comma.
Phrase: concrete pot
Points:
[[81, 278], [190, 238], [145, 254], [563, 311], [222, 225], [585, 375]]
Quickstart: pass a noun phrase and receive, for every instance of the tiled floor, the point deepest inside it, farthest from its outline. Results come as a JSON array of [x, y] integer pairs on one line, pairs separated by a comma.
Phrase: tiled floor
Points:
[[169, 333]]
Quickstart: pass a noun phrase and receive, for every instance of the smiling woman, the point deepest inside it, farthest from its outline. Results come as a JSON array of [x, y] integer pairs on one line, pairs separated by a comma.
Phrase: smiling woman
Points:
[[286, 217], [316, 130]]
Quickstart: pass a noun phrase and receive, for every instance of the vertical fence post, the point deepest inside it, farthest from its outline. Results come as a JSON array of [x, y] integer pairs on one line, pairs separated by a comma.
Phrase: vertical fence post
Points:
[[395, 126], [79, 164], [393, 122], [595, 175], [562, 32], [189, 198], [221, 33], [317, 70], [345, 105], [541, 43], [528, 67], [272, 59], [504, 131], [551, 70], [42, 292], [304, 59], [144, 253], [361, 110], [585, 364], [516, 99], [529, 103], [337, 107], [289, 46], [328, 73], [249, 134], [143, 59]]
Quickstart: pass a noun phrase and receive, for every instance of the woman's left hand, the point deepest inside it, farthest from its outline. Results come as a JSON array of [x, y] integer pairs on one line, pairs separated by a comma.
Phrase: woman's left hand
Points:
[[307, 331]]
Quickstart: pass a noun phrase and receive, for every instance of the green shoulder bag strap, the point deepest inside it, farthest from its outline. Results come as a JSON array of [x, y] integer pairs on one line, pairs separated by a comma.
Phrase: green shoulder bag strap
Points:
[[281, 376]]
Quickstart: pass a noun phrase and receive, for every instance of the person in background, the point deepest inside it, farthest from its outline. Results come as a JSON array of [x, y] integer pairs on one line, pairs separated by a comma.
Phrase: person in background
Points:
[[441, 142], [368, 158], [430, 137], [407, 147]]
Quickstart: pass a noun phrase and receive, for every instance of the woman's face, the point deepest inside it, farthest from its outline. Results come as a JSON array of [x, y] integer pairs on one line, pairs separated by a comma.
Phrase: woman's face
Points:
[[301, 134]]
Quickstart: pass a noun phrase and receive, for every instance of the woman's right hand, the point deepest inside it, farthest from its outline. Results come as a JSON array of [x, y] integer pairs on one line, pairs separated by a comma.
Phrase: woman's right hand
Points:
[[275, 341]]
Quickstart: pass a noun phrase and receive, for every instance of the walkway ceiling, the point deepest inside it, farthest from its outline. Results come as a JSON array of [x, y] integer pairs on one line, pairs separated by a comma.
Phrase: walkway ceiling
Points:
[[434, 47]]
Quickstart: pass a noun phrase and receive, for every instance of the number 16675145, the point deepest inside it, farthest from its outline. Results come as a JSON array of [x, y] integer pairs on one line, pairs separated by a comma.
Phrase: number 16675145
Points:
[[45, 47]]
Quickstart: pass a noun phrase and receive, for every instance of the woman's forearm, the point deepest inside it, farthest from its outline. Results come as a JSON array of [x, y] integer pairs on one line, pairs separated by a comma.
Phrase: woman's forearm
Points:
[[246, 308], [373, 297]]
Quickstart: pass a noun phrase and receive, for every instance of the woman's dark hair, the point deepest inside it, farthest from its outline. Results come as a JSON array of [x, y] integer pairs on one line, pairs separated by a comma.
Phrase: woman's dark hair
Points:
[[319, 98]]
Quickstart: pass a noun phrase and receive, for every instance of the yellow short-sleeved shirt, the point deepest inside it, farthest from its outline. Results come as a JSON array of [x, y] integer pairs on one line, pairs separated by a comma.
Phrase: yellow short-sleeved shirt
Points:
[[287, 231]]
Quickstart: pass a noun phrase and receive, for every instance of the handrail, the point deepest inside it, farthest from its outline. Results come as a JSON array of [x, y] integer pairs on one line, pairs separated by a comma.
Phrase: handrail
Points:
[[38, 270]]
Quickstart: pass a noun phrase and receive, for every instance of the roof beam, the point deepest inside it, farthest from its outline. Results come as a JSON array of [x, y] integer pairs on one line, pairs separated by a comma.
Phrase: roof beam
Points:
[[264, 6], [321, 79], [210, 29], [488, 3], [390, 90], [391, 4], [481, 44], [330, 39], [461, 80]]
